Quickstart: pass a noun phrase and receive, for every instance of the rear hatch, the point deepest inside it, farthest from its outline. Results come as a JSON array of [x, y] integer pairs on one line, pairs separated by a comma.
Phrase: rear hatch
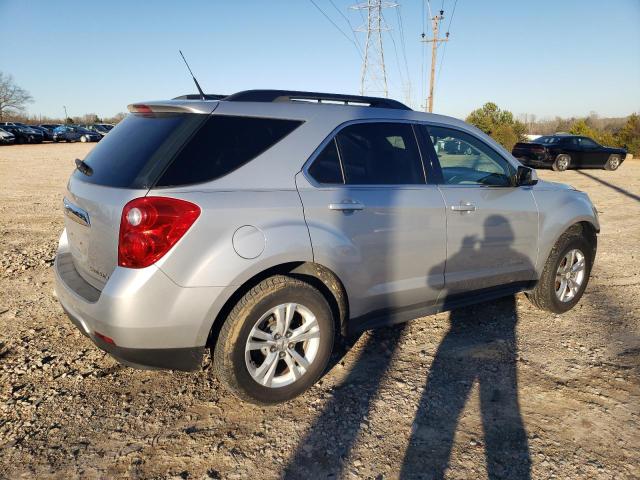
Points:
[[123, 166], [530, 151]]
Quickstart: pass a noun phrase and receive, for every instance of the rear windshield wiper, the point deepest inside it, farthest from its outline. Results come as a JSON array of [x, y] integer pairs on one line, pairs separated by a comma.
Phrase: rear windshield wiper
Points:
[[83, 167]]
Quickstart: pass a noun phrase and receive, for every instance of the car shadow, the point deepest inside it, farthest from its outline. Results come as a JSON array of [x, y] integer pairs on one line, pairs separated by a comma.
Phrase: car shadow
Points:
[[480, 348], [611, 186]]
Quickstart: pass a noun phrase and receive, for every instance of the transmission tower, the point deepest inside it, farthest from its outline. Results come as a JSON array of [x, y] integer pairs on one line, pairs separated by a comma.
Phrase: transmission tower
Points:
[[373, 79]]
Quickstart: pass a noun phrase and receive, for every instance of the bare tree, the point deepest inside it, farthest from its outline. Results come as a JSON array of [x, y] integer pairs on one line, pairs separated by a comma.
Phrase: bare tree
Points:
[[13, 98]]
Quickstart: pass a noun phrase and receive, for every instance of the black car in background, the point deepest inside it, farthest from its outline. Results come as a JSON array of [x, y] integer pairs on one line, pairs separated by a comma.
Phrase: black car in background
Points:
[[561, 152], [46, 134], [23, 133]]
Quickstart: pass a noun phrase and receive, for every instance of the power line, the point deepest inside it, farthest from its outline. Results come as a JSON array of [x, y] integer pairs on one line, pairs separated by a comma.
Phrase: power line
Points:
[[395, 50], [336, 26], [404, 51], [353, 32], [444, 50]]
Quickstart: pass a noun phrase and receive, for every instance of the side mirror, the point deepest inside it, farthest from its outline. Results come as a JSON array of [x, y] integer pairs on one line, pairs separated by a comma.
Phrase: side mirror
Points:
[[526, 176]]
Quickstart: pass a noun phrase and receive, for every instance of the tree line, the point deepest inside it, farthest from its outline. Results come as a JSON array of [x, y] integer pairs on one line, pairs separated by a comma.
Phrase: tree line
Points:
[[503, 127]]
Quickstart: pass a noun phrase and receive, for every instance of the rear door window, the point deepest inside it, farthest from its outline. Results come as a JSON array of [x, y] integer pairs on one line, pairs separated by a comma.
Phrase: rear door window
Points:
[[223, 144], [326, 167], [382, 153]]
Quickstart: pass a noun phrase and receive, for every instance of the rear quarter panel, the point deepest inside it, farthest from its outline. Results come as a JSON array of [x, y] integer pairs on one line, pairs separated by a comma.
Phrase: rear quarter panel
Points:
[[560, 207], [207, 256]]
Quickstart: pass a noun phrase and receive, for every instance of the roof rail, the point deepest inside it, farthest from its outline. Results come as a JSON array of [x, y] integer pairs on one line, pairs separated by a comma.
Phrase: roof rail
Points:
[[196, 96], [295, 96]]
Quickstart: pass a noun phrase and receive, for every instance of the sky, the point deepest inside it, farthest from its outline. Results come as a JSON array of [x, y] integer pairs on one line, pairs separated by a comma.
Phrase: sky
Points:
[[546, 57]]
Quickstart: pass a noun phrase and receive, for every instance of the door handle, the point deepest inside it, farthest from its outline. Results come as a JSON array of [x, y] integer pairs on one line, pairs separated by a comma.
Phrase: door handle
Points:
[[464, 207], [346, 206]]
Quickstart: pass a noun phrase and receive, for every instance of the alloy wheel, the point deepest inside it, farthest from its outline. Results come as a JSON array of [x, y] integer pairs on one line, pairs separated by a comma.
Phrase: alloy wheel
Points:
[[570, 275], [282, 345]]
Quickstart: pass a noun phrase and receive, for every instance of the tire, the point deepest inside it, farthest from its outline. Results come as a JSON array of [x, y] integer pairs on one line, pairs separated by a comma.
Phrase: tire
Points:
[[19, 140], [613, 163], [232, 363], [561, 162], [83, 139], [544, 295]]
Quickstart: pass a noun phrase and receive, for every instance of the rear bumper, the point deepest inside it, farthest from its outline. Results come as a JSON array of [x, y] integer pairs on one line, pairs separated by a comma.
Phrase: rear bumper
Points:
[[185, 359], [153, 322]]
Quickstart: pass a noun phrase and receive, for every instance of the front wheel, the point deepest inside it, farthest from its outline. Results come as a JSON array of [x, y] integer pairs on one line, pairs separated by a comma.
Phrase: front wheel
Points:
[[613, 163], [83, 139], [276, 341], [561, 163], [565, 275]]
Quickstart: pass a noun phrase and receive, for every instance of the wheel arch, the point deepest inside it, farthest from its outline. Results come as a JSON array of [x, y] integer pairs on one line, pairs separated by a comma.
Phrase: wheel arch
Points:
[[319, 276], [581, 226]]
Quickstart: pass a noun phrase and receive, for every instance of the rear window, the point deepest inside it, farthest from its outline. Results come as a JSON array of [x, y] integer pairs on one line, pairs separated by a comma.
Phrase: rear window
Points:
[[138, 149], [223, 144], [162, 149]]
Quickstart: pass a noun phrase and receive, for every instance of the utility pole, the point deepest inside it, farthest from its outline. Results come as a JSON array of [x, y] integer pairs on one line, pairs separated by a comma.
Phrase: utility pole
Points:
[[435, 22], [373, 77], [65, 114]]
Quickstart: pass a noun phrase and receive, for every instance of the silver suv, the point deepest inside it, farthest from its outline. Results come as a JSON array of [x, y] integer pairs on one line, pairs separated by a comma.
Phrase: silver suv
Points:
[[268, 224]]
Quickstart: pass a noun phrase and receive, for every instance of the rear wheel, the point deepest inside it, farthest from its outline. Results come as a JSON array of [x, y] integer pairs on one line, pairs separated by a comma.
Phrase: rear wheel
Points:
[[84, 139], [613, 163], [561, 163], [565, 275], [276, 341]]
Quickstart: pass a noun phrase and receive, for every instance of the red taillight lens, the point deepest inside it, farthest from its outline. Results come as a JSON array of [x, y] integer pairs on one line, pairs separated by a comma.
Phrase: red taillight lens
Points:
[[150, 226]]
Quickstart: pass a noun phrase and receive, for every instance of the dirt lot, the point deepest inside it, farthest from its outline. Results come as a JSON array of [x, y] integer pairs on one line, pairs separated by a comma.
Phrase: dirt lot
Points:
[[507, 389]]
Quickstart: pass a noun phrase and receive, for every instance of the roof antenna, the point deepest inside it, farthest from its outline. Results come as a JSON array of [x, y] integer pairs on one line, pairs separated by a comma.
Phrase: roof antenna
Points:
[[202, 95]]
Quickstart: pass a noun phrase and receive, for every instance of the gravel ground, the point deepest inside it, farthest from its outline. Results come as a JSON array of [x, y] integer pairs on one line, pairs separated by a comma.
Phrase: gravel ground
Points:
[[506, 390]]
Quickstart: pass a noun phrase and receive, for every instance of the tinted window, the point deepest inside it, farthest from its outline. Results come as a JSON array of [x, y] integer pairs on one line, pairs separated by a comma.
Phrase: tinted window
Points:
[[466, 160], [587, 142], [380, 154], [326, 166], [546, 140], [134, 153], [223, 144]]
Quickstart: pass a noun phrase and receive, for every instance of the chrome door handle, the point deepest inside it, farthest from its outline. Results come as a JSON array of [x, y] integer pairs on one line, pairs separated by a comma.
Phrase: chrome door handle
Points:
[[346, 206], [464, 207]]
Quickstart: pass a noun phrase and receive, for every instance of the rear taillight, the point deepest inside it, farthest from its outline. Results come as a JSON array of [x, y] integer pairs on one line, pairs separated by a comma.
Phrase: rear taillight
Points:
[[150, 226]]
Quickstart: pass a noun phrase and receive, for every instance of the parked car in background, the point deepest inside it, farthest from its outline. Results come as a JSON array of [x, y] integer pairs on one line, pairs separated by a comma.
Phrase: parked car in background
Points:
[[6, 138], [13, 124], [98, 128], [261, 225], [46, 134], [73, 133], [24, 134], [50, 127], [562, 151]]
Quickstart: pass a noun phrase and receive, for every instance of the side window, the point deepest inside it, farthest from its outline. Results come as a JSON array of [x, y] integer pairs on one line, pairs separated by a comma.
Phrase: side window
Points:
[[380, 154], [466, 160], [326, 167], [587, 143]]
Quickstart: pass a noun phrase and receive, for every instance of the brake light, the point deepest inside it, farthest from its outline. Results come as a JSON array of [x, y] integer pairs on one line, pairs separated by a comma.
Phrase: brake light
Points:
[[139, 108], [150, 226]]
